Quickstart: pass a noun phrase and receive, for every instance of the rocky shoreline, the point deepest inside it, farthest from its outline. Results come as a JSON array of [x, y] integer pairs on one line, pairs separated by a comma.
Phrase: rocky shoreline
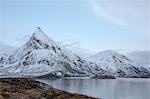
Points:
[[103, 77], [25, 88]]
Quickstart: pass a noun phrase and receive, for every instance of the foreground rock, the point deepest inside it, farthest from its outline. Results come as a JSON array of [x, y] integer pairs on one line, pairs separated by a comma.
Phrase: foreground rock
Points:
[[23, 88], [103, 77]]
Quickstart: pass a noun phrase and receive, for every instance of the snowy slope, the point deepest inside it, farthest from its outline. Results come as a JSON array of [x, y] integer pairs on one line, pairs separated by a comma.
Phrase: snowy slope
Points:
[[42, 55], [118, 64]]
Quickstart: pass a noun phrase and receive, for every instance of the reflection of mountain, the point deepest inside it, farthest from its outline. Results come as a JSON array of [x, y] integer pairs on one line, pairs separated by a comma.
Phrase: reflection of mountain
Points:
[[105, 89]]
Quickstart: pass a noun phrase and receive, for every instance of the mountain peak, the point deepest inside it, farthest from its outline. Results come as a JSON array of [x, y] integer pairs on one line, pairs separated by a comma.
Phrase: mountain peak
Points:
[[39, 40], [39, 32], [109, 55], [38, 29], [40, 35]]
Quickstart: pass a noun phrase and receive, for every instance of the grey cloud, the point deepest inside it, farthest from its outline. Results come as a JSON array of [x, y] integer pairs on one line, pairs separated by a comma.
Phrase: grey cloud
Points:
[[22, 38], [141, 57], [133, 14], [75, 47]]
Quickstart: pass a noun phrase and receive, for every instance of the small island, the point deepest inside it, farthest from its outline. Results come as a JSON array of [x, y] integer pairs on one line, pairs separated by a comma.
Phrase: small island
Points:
[[103, 77], [25, 88]]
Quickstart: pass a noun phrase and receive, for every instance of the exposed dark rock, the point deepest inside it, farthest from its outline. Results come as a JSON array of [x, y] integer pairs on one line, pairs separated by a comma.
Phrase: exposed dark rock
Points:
[[48, 76], [103, 77]]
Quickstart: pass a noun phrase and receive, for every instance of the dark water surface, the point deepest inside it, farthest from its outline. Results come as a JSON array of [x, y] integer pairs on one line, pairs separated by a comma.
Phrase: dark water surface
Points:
[[120, 88]]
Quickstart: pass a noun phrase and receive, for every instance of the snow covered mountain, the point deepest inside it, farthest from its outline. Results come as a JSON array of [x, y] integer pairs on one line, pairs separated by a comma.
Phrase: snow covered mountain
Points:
[[42, 55], [119, 65]]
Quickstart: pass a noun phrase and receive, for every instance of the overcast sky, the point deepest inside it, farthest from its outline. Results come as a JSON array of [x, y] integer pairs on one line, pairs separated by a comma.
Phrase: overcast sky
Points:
[[91, 24]]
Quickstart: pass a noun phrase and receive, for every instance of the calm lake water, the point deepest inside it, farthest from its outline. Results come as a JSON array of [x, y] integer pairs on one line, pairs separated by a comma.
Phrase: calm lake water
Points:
[[120, 88]]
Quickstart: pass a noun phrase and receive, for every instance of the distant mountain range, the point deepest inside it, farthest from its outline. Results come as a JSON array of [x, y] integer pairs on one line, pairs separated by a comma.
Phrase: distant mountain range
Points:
[[119, 65], [41, 55]]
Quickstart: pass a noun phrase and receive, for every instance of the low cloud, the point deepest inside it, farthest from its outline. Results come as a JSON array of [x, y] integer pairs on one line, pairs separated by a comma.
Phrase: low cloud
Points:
[[141, 57], [23, 39], [72, 44], [76, 48]]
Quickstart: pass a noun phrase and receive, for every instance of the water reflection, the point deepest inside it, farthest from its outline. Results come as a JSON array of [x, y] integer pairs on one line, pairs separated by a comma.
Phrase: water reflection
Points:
[[106, 89]]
